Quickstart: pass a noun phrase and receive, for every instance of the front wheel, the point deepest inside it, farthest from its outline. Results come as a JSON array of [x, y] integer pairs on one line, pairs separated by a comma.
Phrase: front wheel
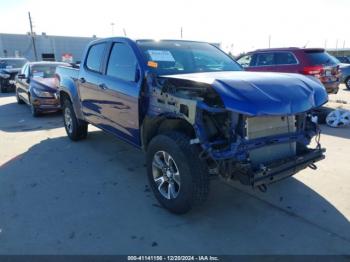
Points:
[[35, 112], [3, 89], [178, 178], [76, 129], [19, 100]]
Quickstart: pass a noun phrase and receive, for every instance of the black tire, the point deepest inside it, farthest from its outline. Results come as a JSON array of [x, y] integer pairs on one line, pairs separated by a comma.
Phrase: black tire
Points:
[[76, 129], [35, 112], [347, 82], [19, 100], [193, 172], [3, 89]]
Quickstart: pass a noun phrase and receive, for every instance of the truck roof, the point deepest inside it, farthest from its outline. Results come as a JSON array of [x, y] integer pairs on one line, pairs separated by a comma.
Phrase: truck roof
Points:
[[144, 40]]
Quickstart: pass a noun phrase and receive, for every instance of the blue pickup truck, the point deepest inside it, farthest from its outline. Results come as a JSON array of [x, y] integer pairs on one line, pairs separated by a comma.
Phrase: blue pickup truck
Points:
[[195, 113]]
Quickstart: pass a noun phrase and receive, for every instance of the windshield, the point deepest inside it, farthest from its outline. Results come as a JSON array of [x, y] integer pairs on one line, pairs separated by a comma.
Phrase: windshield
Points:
[[44, 71], [180, 57], [12, 63]]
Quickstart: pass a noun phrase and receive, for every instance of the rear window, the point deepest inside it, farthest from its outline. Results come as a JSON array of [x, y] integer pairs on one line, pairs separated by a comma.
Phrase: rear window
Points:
[[320, 58]]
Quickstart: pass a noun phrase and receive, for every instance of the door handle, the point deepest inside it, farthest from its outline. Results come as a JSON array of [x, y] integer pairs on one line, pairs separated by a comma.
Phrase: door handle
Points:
[[82, 80], [103, 86]]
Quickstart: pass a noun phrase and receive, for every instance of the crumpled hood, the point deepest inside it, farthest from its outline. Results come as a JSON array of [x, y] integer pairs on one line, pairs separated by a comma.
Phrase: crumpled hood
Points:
[[48, 84], [257, 94]]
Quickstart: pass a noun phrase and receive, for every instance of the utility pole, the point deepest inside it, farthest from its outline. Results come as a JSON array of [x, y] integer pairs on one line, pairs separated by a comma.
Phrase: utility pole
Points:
[[336, 46], [32, 36], [112, 25], [181, 32], [269, 41], [124, 31]]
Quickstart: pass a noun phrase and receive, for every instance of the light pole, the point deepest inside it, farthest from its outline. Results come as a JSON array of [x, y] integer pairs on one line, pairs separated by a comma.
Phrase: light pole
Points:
[[112, 25]]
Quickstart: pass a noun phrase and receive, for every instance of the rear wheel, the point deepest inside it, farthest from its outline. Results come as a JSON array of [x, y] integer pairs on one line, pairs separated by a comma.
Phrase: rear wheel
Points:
[[178, 178], [347, 83], [76, 129]]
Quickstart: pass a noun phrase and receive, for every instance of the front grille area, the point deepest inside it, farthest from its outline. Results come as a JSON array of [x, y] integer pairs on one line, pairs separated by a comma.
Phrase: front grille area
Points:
[[258, 127]]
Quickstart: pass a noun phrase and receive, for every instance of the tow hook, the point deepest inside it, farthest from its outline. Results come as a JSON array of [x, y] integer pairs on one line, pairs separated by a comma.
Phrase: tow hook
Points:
[[262, 188], [313, 166]]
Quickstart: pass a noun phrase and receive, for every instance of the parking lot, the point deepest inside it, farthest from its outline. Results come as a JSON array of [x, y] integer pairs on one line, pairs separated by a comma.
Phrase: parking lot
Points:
[[91, 197]]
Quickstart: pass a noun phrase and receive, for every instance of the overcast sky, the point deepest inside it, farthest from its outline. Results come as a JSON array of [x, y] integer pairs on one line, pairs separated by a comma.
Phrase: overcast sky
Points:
[[241, 25]]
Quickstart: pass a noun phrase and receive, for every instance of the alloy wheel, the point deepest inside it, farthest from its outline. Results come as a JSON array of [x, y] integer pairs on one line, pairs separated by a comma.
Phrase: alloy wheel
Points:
[[68, 120], [166, 175]]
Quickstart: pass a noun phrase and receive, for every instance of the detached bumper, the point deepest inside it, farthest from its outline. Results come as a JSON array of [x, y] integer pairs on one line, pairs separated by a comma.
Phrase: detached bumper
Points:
[[278, 171]]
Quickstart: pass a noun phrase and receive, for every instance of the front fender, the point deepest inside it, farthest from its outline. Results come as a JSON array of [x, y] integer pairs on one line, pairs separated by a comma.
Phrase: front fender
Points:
[[69, 87]]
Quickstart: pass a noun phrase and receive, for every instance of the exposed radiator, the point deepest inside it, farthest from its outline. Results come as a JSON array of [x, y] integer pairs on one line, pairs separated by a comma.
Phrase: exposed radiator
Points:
[[267, 126]]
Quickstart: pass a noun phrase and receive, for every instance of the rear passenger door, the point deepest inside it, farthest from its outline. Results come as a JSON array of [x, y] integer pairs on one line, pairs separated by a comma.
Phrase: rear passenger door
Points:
[[89, 83], [121, 92], [286, 62], [262, 62]]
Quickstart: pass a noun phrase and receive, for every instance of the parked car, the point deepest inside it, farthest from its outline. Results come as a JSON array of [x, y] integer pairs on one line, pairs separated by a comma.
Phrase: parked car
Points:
[[36, 86], [343, 59], [345, 72], [307, 61], [195, 113], [9, 68]]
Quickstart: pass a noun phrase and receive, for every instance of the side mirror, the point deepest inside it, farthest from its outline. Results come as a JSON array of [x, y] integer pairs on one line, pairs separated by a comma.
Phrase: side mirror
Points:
[[21, 76]]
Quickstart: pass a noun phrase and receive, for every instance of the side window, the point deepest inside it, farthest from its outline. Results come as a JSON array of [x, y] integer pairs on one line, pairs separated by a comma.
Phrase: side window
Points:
[[122, 62], [26, 71], [95, 56], [285, 58], [245, 61], [265, 59]]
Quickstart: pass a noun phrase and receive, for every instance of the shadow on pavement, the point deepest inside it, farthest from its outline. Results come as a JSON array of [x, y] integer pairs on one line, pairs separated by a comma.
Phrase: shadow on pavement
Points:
[[92, 197], [18, 118], [343, 132], [8, 94]]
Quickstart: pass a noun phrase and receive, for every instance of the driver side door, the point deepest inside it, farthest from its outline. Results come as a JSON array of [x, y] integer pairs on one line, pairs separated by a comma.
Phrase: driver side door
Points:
[[23, 84]]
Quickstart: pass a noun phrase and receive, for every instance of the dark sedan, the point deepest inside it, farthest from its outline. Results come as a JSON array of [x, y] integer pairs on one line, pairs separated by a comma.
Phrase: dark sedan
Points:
[[36, 86], [9, 68]]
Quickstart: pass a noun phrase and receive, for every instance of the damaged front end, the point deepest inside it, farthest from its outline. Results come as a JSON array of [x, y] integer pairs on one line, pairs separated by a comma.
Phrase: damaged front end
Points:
[[241, 135]]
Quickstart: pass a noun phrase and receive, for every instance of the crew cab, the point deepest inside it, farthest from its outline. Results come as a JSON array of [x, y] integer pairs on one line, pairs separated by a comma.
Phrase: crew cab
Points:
[[314, 62], [195, 113], [37, 87], [9, 68]]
